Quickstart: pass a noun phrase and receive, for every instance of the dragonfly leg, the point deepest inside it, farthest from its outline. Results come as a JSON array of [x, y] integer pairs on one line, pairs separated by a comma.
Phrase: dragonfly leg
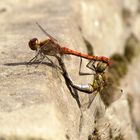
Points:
[[52, 63], [32, 60], [82, 73], [93, 65], [43, 57], [49, 60], [40, 61]]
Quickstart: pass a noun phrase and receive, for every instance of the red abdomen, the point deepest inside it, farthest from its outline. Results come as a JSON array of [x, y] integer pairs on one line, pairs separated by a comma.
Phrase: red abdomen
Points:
[[65, 50]]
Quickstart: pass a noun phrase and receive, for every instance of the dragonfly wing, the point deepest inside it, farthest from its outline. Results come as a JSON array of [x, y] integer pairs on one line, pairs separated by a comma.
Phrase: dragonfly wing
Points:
[[91, 98], [99, 107], [110, 94], [87, 102], [96, 105], [45, 32]]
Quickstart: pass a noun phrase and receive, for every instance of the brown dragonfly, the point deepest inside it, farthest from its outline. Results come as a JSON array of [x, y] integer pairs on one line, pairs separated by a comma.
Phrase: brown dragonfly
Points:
[[100, 84]]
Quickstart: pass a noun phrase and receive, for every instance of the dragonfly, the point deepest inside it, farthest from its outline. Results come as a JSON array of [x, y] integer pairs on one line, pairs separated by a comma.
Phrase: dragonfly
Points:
[[99, 88], [108, 92], [51, 47]]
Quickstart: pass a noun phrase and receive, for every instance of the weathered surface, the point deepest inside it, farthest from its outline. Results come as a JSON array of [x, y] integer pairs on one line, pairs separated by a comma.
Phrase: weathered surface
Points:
[[131, 87], [34, 103]]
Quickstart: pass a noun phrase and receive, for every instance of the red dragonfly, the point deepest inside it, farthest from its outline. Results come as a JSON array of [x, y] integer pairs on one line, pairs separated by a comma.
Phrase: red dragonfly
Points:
[[51, 47]]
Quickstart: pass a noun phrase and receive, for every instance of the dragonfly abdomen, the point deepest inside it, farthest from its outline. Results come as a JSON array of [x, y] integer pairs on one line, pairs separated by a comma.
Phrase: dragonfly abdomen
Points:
[[86, 56]]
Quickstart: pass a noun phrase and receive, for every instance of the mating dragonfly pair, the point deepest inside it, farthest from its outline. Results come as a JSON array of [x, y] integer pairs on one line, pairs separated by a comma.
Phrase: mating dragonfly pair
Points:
[[51, 47]]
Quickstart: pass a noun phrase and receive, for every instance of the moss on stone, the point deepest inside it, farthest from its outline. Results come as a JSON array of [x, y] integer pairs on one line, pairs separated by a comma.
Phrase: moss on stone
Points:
[[119, 66], [132, 48]]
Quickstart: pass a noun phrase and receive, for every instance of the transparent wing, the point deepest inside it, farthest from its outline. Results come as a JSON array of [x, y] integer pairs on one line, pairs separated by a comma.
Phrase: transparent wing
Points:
[[95, 104], [110, 94], [52, 38], [100, 100], [98, 108], [91, 98]]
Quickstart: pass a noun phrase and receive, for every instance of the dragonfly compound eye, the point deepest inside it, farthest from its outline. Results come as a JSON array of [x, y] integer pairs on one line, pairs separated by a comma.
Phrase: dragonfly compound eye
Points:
[[101, 67], [33, 43]]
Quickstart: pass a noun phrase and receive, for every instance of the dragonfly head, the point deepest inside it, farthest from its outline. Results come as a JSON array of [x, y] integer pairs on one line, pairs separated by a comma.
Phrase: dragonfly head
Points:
[[101, 67], [34, 44]]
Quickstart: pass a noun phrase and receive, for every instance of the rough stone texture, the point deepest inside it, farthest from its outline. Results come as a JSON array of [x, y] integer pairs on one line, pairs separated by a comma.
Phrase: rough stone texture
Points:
[[36, 104], [102, 25], [131, 87]]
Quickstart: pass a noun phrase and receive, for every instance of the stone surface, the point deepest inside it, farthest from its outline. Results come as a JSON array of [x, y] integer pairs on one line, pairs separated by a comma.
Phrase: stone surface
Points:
[[131, 87], [35, 102]]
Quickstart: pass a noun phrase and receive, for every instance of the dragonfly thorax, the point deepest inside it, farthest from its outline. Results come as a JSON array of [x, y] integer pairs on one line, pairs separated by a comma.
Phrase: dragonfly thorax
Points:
[[48, 47]]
